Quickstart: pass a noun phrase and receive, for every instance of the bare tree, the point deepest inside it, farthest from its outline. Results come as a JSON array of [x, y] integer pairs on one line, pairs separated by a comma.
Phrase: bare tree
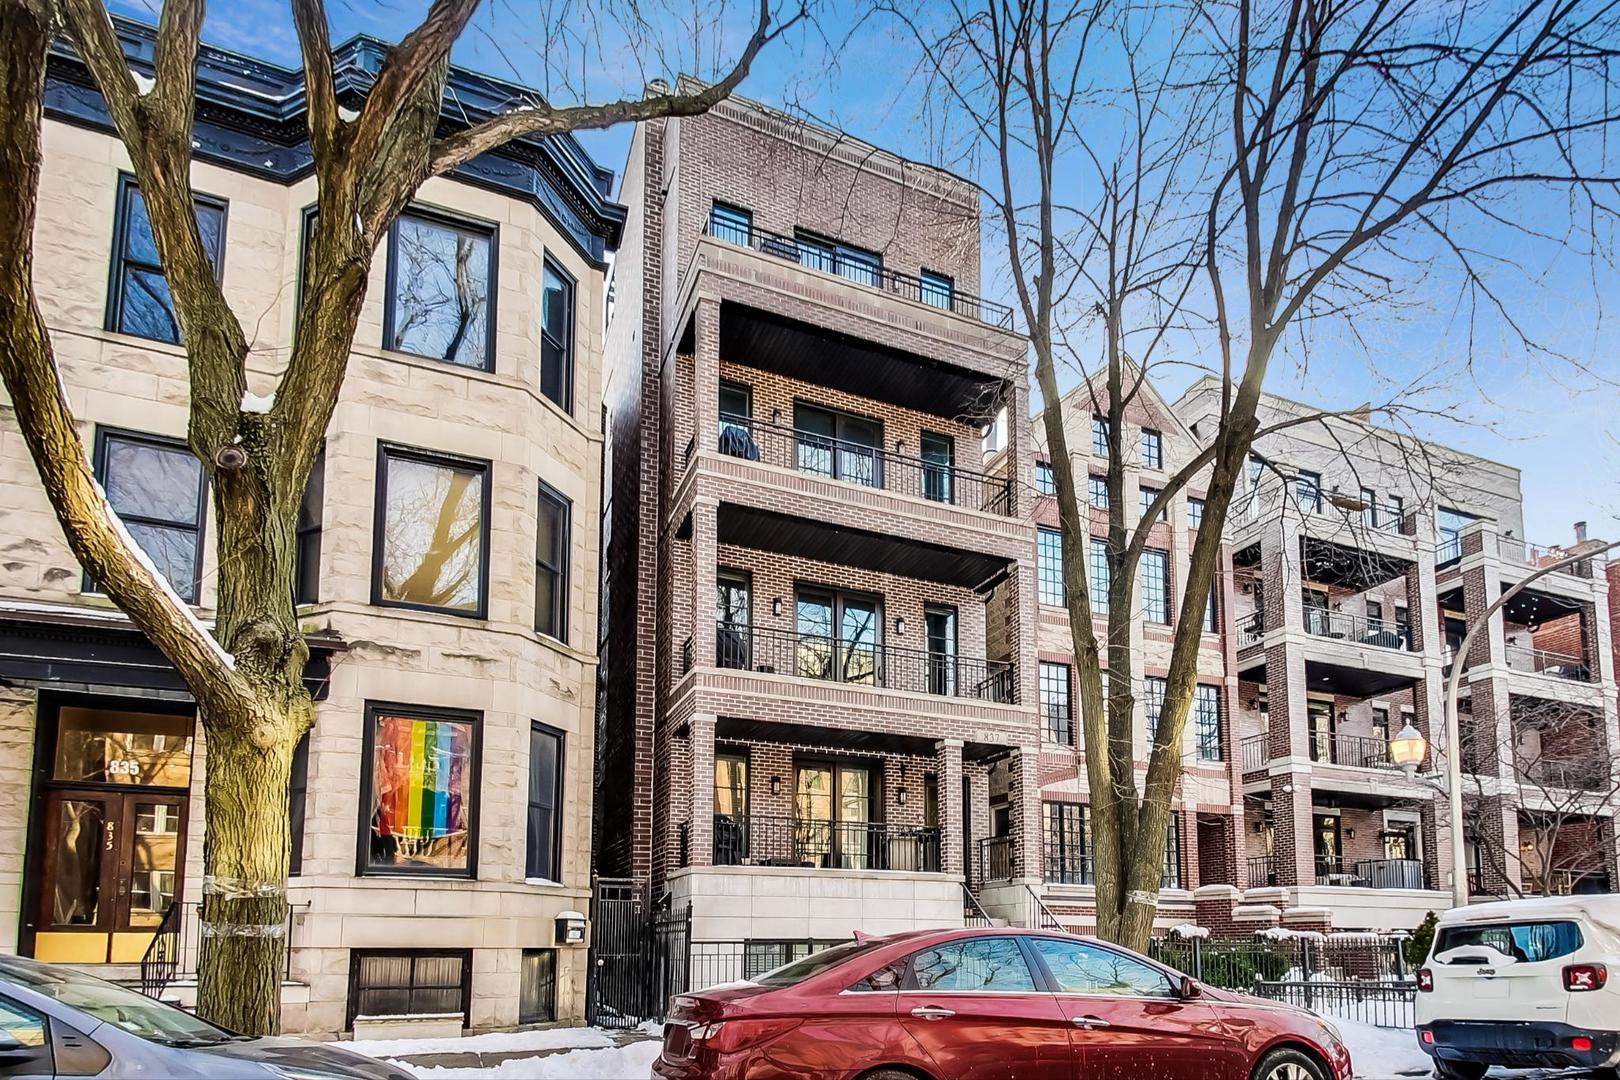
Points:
[[247, 677], [1332, 154]]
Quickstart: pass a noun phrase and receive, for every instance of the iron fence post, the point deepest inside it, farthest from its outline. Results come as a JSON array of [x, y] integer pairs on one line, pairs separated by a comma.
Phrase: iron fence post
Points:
[[1305, 969], [1197, 958]]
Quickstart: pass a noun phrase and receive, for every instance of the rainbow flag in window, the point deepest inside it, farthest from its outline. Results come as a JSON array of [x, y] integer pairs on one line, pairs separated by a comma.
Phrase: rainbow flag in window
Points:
[[421, 777]]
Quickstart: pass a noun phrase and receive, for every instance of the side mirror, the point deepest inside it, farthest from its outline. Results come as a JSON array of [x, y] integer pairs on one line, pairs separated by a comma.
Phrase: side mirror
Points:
[[1190, 990]]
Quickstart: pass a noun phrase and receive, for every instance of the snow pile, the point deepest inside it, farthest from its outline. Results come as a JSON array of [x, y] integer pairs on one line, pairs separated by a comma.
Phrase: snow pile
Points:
[[632, 1062], [256, 403], [1483, 954], [1282, 933], [1188, 931], [495, 1042], [144, 83], [1383, 1053]]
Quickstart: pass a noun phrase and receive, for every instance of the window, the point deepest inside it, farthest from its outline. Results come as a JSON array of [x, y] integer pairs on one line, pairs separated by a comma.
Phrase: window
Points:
[[840, 445], [1380, 722], [1195, 513], [431, 548], [1403, 624], [845, 260], [1045, 478], [1101, 576], [1049, 568], [1375, 613], [22, 1030], [1525, 942], [938, 466], [936, 290], [840, 636], [1369, 508], [557, 337], [1079, 968], [1055, 703], [1064, 828], [1308, 491], [1145, 497], [138, 300], [419, 802], [1449, 525], [544, 858], [815, 963], [1099, 435], [731, 809], [551, 564], [763, 955], [732, 224], [156, 486], [1209, 609], [1153, 689], [1153, 581], [1207, 722], [981, 964], [439, 301], [1097, 492], [733, 613], [537, 987], [1171, 876], [298, 804], [1152, 449], [307, 535], [939, 626], [407, 982], [1394, 515]]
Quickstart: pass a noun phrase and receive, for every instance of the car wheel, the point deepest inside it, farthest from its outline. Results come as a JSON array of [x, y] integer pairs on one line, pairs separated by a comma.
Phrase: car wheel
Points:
[[1460, 1070], [1288, 1064], [888, 1074]]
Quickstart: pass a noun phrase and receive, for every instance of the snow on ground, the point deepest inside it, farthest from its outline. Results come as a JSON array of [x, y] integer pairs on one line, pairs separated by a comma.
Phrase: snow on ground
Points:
[[1383, 1053], [632, 1062], [496, 1042]]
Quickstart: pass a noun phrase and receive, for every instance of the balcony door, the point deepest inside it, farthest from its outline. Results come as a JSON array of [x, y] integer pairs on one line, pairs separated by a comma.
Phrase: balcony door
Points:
[[938, 467], [730, 809], [1329, 847], [833, 810], [840, 637], [737, 421], [840, 445], [733, 619], [940, 624], [1319, 718]]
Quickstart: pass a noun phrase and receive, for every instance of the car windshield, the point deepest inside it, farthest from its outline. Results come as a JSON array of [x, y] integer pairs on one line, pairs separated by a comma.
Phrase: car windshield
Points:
[[814, 964], [1522, 943], [135, 1013]]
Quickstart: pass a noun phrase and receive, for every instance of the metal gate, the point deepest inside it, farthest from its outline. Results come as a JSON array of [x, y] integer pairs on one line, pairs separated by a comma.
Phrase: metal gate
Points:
[[639, 958]]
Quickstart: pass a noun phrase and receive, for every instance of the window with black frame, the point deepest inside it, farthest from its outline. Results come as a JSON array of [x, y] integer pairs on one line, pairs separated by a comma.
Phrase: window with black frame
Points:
[[537, 987], [733, 644], [1049, 566], [138, 301], [1171, 878], [440, 290], [420, 792], [1097, 492], [1308, 491], [737, 421], [1064, 825], [551, 563], [1207, 722], [557, 337], [839, 445], [731, 808], [938, 467], [543, 853], [732, 224], [1045, 479], [1153, 688], [1153, 583], [1101, 575], [1099, 435], [936, 290], [1056, 708], [939, 626], [408, 982], [431, 544], [157, 488], [1152, 449], [307, 535]]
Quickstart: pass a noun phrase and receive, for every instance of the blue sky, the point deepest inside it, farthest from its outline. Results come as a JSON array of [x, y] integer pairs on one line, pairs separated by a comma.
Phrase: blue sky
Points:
[[1559, 427]]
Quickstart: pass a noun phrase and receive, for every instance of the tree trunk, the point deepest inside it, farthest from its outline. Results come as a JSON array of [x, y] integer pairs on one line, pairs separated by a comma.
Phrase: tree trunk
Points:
[[248, 763]]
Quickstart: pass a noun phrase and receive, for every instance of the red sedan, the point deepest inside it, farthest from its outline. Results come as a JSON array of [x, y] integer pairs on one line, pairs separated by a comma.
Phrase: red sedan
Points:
[[981, 1004]]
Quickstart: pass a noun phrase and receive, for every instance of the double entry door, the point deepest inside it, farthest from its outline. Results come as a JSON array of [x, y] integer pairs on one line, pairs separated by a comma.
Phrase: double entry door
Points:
[[833, 816], [112, 862]]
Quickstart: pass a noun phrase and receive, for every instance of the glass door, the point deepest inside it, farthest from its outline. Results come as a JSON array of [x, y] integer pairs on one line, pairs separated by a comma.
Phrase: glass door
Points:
[[838, 637], [859, 631], [1319, 717], [854, 840], [938, 465], [940, 624], [1329, 853], [838, 445], [833, 816], [813, 815], [733, 615]]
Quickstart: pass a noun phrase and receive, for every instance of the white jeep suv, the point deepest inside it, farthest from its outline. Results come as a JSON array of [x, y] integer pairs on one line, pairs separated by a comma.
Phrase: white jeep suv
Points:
[[1523, 984]]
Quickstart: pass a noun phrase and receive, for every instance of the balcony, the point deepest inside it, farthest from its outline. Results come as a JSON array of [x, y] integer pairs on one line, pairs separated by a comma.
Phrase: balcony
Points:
[[1553, 775], [935, 292], [1547, 662], [1369, 873], [791, 841], [863, 465], [1262, 871], [1356, 629], [1523, 553], [859, 663], [1351, 751]]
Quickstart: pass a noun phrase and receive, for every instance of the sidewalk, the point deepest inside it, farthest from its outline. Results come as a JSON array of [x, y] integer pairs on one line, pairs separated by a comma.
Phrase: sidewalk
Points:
[[546, 1054]]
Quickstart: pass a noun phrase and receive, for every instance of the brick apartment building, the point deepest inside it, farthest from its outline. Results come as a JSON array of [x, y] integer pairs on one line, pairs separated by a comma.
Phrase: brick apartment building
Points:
[[479, 652], [819, 606]]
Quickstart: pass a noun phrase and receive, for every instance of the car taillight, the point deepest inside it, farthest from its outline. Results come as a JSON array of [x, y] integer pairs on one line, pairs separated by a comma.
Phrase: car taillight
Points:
[[1580, 1043], [1426, 980], [730, 1036], [1428, 1037], [1582, 977]]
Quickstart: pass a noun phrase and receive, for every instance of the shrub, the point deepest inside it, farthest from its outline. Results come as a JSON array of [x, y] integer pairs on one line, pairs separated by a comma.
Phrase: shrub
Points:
[[1416, 947]]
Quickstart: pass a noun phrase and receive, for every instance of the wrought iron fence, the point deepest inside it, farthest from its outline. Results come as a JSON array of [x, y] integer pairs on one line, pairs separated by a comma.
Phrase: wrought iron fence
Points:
[[939, 292], [813, 656], [784, 840], [996, 861], [1386, 1005], [940, 481], [1352, 751], [1250, 629], [1262, 871]]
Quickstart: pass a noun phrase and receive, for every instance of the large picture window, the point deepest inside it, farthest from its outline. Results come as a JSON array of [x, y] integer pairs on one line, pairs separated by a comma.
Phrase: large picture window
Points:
[[441, 288], [421, 791], [432, 539], [557, 337], [545, 804], [1153, 582], [1049, 566], [551, 564], [156, 485], [1055, 707], [1207, 722], [138, 300]]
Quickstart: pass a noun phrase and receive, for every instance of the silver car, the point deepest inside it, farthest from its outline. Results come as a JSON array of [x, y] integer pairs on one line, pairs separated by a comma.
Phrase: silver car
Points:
[[55, 1022]]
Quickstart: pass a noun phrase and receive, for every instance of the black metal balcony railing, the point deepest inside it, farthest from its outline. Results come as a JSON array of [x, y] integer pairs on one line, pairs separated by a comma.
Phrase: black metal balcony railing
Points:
[[1069, 864], [782, 840], [811, 656], [1345, 626], [1547, 662], [1250, 629], [1256, 753], [1515, 550], [1565, 883], [935, 292], [1369, 873], [995, 859], [863, 464], [1262, 871], [1353, 751], [1567, 775]]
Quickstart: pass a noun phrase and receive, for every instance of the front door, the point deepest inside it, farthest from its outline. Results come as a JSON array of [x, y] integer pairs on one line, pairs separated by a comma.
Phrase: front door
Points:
[[110, 850]]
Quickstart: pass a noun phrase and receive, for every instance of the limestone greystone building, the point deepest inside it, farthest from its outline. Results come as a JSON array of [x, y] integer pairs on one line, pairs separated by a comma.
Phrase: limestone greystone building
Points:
[[819, 602], [448, 569]]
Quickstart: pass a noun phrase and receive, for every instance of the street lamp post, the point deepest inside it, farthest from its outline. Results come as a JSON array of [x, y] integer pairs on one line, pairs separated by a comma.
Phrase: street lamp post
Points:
[[1454, 777]]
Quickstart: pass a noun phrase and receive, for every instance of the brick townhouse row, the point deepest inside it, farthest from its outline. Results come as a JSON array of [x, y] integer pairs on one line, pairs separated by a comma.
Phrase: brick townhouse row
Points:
[[839, 683]]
